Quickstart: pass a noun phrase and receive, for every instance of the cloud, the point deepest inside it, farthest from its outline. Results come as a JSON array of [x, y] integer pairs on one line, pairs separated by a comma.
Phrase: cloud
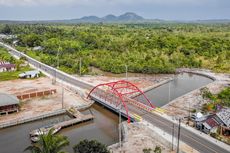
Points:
[[97, 2]]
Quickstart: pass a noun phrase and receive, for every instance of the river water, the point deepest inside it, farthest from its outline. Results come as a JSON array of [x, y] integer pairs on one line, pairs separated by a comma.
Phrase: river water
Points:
[[104, 127], [180, 85]]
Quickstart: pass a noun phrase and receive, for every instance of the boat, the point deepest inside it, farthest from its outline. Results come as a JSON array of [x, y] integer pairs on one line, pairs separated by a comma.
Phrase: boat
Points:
[[35, 134]]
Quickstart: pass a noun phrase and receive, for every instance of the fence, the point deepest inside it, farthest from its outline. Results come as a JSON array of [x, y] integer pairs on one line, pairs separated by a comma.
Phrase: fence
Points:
[[36, 94]]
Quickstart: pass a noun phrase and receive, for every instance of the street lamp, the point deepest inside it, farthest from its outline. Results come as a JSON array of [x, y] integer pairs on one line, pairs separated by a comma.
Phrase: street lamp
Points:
[[57, 62], [80, 66], [126, 72]]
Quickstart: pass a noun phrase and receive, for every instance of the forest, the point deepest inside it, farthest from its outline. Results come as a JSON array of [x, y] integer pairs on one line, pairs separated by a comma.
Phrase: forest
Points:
[[144, 48]]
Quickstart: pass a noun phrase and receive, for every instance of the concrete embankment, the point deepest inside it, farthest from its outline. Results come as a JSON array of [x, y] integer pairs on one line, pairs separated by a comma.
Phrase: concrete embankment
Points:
[[153, 87], [38, 117]]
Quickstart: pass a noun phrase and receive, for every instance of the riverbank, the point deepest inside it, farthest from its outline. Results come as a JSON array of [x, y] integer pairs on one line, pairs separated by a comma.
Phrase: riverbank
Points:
[[182, 106], [40, 107], [143, 81], [143, 135]]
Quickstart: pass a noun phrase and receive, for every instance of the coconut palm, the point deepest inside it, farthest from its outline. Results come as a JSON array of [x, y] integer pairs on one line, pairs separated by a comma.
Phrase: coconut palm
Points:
[[49, 143]]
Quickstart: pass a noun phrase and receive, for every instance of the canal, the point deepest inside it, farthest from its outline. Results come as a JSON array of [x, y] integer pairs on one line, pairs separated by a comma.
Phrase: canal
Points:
[[180, 85], [104, 127]]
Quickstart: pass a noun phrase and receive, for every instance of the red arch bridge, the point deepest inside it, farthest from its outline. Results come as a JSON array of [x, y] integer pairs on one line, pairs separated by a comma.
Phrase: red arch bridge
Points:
[[118, 96]]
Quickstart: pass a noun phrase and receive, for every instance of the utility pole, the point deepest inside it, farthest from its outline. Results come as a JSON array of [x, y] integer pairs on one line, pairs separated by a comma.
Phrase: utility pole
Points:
[[57, 63], [62, 100], [80, 66], [119, 128], [178, 138], [126, 72], [169, 96], [189, 112], [172, 136], [58, 55]]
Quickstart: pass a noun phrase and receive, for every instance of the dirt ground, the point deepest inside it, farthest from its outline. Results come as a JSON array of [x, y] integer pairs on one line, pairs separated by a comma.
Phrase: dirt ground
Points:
[[143, 81], [180, 107], [141, 136], [41, 105]]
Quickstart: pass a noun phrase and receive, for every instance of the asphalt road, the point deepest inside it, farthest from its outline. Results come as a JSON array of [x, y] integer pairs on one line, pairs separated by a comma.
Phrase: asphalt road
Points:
[[194, 140], [197, 142]]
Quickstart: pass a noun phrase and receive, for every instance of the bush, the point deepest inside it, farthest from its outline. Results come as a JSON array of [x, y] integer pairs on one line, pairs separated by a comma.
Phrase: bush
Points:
[[157, 149], [92, 146], [147, 150]]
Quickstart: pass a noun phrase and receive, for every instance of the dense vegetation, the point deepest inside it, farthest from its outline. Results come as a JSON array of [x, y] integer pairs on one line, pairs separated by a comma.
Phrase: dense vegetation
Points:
[[221, 99], [144, 48]]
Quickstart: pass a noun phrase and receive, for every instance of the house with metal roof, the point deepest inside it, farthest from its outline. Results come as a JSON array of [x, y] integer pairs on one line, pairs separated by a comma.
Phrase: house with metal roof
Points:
[[6, 66], [8, 103], [224, 116], [30, 74]]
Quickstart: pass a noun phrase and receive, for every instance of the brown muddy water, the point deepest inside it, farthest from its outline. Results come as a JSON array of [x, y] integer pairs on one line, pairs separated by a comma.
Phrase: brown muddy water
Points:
[[103, 128]]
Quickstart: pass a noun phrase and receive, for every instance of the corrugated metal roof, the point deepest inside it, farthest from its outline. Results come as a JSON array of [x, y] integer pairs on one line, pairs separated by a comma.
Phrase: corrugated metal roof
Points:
[[33, 72], [27, 73], [6, 99], [224, 115]]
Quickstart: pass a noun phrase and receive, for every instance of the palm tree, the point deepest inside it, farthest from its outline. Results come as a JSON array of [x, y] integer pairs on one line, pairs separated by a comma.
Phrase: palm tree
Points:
[[49, 143]]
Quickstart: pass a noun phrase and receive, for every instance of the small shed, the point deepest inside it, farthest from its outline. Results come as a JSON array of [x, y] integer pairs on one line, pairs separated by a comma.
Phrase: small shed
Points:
[[8, 103], [30, 74]]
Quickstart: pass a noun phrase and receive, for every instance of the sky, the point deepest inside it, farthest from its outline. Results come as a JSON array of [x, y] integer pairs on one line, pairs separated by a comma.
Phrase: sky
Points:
[[150, 9]]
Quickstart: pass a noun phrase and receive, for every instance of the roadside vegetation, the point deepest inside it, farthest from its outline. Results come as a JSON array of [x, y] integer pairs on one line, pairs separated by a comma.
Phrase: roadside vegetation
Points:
[[216, 100], [5, 56], [144, 48]]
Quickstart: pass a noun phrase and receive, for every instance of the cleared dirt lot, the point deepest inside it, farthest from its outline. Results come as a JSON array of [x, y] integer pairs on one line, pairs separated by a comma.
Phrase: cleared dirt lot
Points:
[[40, 105], [143, 81]]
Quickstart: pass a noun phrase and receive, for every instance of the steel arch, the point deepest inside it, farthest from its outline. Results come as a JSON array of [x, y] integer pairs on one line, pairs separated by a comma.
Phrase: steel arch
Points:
[[121, 89]]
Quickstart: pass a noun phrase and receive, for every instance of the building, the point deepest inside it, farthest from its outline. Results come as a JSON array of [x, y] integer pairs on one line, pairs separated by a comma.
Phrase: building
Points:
[[8, 104], [6, 66], [30, 74], [211, 124], [224, 116]]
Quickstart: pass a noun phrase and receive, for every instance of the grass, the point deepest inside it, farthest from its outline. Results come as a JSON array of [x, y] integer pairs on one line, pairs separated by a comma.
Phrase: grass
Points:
[[5, 76]]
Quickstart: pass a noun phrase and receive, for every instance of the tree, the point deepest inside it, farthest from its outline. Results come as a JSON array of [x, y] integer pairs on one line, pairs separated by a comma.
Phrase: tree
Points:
[[49, 143], [157, 149], [6, 29], [149, 150], [92, 146]]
